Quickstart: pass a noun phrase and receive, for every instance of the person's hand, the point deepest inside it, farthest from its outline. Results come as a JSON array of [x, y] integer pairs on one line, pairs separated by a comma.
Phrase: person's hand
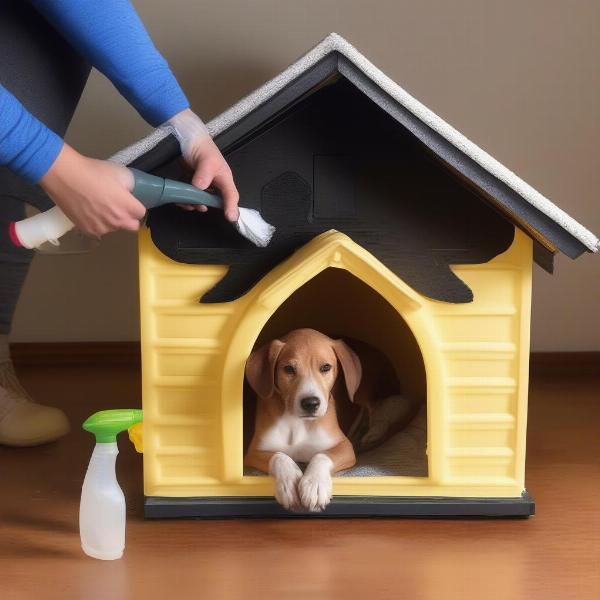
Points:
[[205, 159], [94, 194], [212, 170]]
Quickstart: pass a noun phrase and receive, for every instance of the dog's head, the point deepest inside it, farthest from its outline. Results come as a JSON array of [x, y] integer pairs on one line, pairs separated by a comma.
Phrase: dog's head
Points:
[[300, 370]]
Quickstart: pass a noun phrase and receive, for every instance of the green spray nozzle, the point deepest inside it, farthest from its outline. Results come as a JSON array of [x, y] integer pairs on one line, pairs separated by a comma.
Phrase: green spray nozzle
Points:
[[107, 424]]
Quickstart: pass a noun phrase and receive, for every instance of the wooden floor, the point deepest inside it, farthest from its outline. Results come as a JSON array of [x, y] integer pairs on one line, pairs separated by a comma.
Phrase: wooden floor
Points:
[[555, 554]]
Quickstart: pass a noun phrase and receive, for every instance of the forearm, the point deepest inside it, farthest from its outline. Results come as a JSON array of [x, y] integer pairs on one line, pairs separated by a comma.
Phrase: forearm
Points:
[[258, 459], [27, 146], [341, 456], [111, 36]]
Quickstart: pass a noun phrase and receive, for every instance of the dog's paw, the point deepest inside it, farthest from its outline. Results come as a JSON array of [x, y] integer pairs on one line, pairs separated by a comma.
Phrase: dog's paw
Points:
[[287, 474], [315, 487], [315, 491]]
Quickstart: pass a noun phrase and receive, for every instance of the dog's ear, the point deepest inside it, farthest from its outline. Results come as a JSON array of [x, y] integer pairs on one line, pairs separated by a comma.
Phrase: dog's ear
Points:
[[260, 368], [351, 367]]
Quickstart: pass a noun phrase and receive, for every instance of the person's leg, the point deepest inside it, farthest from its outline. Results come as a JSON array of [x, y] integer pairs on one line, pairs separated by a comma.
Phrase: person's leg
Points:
[[14, 264], [22, 422], [48, 77]]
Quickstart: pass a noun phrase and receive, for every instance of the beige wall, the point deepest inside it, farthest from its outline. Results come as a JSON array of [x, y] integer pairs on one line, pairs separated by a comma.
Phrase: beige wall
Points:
[[518, 78]]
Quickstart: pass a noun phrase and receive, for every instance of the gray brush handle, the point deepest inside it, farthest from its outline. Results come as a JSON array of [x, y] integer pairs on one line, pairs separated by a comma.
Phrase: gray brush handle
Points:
[[153, 191]]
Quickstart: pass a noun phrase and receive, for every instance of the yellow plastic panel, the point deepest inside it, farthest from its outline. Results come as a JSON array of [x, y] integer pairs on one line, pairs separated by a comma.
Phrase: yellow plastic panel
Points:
[[186, 361], [173, 401], [180, 323], [475, 401], [186, 467], [493, 431], [183, 288]]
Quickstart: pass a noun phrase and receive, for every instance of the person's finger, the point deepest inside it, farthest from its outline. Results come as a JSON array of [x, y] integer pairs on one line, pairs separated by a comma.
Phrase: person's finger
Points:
[[94, 231], [223, 181], [205, 173], [193, 207], [131, 225], [138, 210]]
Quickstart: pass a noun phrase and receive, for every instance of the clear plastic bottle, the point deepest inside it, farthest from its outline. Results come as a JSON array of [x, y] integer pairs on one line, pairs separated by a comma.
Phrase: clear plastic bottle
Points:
[[102, 507]]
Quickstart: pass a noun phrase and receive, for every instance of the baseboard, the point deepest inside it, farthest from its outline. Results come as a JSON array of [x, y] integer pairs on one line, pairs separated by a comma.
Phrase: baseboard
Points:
[[565, 363], [128, 353], [76, 353]]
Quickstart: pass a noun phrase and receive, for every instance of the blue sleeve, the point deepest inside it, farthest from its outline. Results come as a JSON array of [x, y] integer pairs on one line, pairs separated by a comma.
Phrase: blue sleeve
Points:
[[27, 146], [111, 36]]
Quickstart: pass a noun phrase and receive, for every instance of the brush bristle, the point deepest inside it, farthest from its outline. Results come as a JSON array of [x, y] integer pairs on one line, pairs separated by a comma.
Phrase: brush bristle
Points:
[[254, 228]]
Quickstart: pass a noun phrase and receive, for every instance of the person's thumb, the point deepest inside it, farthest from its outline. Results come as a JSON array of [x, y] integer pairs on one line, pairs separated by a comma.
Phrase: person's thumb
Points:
[[123, 176]]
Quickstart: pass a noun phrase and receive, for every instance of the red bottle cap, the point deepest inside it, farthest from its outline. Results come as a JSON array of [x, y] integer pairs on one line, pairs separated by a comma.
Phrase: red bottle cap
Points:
[[12, 232]]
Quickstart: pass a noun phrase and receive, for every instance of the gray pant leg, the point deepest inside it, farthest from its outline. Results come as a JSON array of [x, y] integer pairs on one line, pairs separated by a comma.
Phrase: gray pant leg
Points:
[[14, 262], [42, 70]]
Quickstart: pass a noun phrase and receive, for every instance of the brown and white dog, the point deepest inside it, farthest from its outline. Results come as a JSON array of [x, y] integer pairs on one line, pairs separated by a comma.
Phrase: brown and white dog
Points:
[[294, 379]]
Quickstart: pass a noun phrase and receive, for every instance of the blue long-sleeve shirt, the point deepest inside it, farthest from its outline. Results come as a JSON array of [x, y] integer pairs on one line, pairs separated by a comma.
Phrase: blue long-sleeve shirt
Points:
[[109, 35]]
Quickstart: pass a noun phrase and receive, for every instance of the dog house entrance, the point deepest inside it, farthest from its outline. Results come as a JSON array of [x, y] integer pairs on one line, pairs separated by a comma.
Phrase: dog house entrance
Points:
[[340, 305]]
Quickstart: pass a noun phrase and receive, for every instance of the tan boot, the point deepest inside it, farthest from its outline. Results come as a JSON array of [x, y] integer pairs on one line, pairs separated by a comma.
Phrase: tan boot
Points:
[[22, 421]]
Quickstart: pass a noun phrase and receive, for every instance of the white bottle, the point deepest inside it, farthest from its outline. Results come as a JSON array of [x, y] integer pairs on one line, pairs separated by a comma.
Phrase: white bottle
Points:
[[102, 507]]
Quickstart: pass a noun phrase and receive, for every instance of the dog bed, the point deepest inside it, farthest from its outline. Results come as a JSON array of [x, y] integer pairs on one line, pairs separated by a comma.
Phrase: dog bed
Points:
[[403, 454]]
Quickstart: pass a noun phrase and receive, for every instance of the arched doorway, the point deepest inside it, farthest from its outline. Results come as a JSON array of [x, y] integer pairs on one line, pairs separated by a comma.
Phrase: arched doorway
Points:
[[331, 251], [340, 305]]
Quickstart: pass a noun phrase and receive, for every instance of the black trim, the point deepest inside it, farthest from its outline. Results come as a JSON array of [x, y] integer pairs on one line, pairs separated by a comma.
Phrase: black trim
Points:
[[543, 257], [166, 150], [159, 507]]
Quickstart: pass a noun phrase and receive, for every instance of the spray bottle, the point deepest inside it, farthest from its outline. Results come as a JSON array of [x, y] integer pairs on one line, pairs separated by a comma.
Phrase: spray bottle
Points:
[[102, 508]]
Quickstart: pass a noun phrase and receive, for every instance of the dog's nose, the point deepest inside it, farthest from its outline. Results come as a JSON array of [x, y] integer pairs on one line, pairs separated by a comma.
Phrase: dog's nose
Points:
[[310, 404]]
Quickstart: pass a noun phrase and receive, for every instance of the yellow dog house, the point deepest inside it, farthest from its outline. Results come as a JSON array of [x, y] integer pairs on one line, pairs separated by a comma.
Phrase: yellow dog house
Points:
[[392, 228]]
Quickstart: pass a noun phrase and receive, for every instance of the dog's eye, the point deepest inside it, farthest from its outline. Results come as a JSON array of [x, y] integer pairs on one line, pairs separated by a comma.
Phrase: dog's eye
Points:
[[290, 369], [325, 368]]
